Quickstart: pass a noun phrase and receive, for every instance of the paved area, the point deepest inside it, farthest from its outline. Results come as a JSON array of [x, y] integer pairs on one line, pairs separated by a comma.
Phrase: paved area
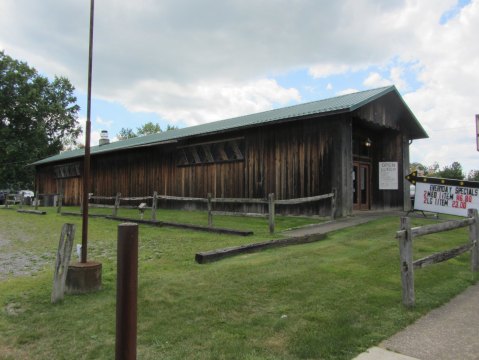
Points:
[[450, 332], [358, 218]]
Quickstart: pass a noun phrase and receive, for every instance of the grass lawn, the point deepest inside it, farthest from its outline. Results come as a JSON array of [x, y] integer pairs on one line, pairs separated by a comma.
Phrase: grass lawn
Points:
[[327, 300]]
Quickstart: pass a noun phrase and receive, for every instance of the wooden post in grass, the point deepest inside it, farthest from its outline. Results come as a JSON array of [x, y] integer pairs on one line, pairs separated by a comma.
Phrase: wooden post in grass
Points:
[[210, 214], [60, 197], [407, 269], [126, 291], [63, 260], [22, 199], [474, 239], [117, 204], [154, 206], [271, 212], [333, 204]]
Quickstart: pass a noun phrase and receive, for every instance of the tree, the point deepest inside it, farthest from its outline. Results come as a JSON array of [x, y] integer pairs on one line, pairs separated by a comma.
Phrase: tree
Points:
[[145, 129], [421, 169], [473, 175], [149, 128], [454, 171], [125, 133], [38, 118]]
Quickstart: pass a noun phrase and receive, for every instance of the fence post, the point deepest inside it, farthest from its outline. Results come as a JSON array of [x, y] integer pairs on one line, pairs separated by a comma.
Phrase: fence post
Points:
[[210, 214], [60, 203], [154, 206], [60, 196], [126, 291], [333, 204], [64, 254], [407, 269], [117, 204], [474, 239], [22, 199], [271, 211]]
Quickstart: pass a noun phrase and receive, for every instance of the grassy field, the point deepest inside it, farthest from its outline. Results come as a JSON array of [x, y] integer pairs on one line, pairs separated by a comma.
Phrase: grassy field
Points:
[[327, 300]]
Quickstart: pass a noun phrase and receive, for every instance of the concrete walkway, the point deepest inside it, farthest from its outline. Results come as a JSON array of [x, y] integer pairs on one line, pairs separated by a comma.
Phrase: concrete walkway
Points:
[[360, 217], [450, 332]]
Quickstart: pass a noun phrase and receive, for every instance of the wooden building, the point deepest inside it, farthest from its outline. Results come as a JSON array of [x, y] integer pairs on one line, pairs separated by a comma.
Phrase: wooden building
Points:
[[357, 144]]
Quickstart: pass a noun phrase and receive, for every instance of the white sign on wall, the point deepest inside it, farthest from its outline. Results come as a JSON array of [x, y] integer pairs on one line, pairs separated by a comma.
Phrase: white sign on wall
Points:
[[388, 175]]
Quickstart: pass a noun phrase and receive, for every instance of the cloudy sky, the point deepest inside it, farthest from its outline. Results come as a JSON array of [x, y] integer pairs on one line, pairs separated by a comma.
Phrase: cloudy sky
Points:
[[186, 62]]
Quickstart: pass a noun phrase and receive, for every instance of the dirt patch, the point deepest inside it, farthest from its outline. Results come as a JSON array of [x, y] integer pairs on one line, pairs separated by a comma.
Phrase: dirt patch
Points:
[[14, 263], [20, 264]]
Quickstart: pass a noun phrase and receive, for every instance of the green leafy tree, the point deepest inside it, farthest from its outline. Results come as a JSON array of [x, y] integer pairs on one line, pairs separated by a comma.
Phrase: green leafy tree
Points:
[[149, 128], [126, 133], [420, 168], [454, 171], [171, 127], [473, 175], [145, 129], [38, 118]]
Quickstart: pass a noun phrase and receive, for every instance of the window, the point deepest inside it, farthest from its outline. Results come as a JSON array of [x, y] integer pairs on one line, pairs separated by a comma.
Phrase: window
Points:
[[210, 153], [67, 170]]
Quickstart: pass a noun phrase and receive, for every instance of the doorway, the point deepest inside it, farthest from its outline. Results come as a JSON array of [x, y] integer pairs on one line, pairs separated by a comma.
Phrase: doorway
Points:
[[361, 186]]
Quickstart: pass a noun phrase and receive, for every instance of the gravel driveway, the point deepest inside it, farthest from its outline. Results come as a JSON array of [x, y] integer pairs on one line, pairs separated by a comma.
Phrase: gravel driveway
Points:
[[14, 263]]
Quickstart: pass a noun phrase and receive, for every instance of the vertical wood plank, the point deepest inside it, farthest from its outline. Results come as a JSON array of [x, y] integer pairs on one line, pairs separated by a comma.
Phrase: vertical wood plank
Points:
[[60, 196], [154, 206], [210, 214], [64, 253], [333, 204], [117, 204], [271, 211], [407, 269]]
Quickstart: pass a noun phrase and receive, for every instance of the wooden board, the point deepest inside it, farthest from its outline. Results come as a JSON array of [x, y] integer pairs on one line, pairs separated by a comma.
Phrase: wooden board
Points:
[[218, 254]]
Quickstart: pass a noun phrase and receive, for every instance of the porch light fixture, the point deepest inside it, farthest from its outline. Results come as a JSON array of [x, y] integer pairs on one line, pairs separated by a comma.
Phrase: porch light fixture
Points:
[[368, 142]]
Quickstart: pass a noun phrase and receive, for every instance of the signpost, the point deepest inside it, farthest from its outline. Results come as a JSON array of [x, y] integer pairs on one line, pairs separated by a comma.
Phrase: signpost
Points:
[[477, 131], [445, 196]]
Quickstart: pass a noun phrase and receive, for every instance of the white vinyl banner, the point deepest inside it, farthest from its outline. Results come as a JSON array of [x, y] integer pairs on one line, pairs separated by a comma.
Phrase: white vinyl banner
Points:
[[446, 199]]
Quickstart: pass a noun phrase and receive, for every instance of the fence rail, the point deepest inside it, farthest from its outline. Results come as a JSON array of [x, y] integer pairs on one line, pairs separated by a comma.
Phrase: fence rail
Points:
[[406, 236], [210, 200]]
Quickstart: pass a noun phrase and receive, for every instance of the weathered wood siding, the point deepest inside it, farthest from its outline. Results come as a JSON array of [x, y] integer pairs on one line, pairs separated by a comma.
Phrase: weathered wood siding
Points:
[[291, 160]]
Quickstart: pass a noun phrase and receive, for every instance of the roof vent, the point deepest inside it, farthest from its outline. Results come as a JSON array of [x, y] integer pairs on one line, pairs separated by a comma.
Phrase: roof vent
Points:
[[104, 138]]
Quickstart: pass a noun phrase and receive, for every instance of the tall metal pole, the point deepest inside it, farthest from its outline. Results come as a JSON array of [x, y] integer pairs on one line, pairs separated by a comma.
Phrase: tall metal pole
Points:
[[86, 164]]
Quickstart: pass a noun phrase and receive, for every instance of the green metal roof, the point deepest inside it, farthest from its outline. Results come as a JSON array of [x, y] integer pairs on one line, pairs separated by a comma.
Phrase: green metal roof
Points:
[[344, 103]]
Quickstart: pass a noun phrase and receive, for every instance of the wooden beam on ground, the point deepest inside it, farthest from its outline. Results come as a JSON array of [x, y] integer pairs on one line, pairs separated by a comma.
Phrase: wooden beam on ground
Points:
[[37, 212], [68, 213], [218, 254]]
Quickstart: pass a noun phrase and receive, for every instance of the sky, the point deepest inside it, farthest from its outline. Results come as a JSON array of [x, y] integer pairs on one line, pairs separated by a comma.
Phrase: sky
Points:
[[186, 62]]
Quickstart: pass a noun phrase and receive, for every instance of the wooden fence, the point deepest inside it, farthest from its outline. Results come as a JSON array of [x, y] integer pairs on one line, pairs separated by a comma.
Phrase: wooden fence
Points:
[[406, 236], [209, 201]]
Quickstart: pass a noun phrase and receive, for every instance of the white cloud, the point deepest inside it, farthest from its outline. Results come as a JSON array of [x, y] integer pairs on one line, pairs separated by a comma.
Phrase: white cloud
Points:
[[94, 135], [195, 61], [104, 123], [347, 91], [374, 79], [201, 102]]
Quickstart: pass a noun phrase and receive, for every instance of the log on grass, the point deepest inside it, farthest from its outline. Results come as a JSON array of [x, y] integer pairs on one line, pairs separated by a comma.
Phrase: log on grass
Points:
[[68, 213], [37, 212], [218, 254]]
